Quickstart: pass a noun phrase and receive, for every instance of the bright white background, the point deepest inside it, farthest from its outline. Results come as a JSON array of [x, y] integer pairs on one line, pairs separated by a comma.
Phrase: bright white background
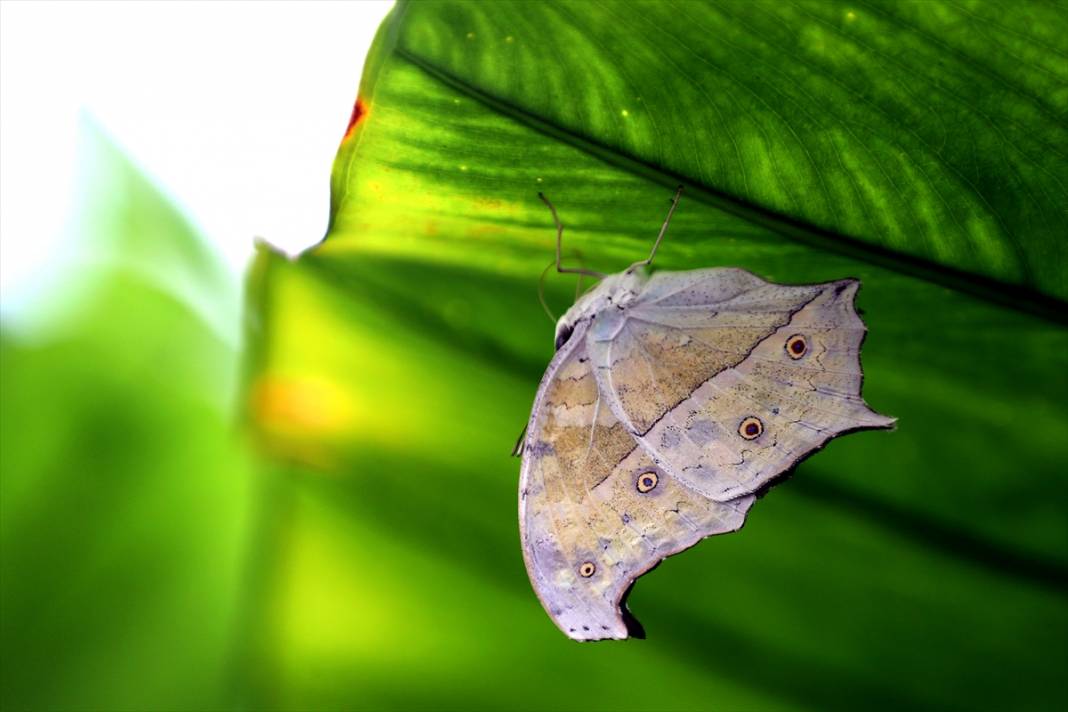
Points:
[[233, 109]]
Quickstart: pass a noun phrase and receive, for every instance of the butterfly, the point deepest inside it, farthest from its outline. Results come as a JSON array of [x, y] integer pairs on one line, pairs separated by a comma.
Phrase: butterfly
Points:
[[673, 400]]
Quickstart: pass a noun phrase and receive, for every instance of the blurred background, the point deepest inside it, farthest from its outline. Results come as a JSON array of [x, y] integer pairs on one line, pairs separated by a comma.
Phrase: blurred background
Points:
[[233, 480], [213, 105], [144, 148]]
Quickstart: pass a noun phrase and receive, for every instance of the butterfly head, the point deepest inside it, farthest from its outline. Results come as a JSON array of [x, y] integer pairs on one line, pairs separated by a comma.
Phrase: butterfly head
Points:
[[614, 292]]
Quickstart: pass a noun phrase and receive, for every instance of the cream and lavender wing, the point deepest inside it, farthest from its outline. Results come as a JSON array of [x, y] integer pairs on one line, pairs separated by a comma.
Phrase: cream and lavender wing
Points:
[[727, 381], [595, 511]]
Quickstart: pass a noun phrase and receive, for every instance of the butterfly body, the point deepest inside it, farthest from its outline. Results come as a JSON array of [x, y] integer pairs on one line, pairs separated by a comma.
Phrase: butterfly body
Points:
[[671, 400]]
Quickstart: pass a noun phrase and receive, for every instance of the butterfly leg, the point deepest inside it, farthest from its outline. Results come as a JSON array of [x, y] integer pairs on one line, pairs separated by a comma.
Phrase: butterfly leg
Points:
[[520, 443]]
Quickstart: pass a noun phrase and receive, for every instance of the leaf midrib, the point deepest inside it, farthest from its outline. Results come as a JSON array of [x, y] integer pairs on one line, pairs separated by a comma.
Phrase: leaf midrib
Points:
[[1017, 297]]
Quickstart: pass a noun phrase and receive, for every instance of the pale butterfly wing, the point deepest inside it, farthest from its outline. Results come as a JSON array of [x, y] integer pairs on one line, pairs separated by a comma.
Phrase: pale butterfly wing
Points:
[[662, 415], [595, 512], [726, 380], [681, 330]]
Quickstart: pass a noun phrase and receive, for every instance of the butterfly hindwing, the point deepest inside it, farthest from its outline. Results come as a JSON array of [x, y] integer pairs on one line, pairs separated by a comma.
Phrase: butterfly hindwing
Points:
[[595, 511]]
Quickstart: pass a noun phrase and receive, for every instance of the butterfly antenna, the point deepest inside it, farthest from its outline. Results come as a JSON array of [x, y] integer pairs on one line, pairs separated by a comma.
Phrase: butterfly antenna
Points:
[[663, 229], [559, 239]]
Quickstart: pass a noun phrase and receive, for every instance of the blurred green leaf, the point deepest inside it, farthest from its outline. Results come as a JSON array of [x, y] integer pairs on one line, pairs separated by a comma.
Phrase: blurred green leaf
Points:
[[917, 146], [125, 497]]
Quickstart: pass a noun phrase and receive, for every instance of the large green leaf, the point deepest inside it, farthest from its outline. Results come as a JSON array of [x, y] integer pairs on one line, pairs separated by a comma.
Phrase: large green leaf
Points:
[[918, 147]]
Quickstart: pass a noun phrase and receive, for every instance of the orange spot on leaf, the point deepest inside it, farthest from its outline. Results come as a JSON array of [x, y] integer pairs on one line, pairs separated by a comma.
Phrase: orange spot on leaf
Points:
[[298, 406], [359, 110]]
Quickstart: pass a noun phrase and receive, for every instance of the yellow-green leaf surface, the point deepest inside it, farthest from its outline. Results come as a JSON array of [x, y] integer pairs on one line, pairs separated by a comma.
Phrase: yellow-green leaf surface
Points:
[[918, 147]]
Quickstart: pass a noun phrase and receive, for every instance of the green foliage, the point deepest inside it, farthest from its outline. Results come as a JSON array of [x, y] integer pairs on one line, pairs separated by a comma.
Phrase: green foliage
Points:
[[124, 499], [918, 147]]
